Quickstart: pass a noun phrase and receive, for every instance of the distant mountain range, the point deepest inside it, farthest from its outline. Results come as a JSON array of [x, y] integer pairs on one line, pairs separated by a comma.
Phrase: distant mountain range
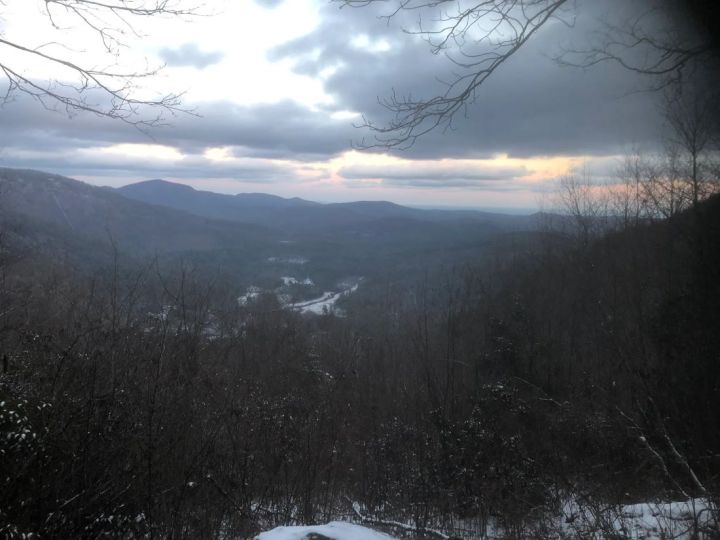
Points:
[[59, 213], [247, 235], [206, 203], [298, 215]]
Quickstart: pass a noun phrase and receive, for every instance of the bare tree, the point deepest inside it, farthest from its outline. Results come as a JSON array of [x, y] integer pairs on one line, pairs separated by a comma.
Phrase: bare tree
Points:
[[629, 196], [692, 115], [109, 91], [659, 185], [586, 203], [663, 186], [479, 37]]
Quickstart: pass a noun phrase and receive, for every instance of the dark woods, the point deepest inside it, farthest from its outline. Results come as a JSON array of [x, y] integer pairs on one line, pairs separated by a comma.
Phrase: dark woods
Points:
[[138, 401]]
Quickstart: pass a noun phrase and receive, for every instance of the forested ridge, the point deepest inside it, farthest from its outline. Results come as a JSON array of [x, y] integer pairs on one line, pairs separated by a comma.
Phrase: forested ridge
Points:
[[557, 368]]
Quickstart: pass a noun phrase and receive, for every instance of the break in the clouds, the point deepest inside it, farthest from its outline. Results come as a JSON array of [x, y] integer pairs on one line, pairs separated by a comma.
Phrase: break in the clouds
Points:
[[189, 54], [287, 117], [434, 174]]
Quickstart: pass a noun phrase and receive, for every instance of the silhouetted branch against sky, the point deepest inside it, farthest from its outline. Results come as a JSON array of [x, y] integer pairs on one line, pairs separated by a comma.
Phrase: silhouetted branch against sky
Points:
[[77, 83], [666, 40]]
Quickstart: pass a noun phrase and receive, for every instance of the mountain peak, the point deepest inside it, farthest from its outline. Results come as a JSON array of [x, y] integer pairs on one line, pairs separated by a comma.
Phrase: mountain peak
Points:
[[157, 183]]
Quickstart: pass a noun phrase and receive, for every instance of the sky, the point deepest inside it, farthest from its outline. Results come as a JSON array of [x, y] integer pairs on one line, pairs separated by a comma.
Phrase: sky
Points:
[[277, 89]]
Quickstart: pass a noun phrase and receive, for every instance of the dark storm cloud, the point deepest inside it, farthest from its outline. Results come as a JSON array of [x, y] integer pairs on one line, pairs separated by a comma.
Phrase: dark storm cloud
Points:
[[531, 105], [52, 141], [281, 130], [190, 54]]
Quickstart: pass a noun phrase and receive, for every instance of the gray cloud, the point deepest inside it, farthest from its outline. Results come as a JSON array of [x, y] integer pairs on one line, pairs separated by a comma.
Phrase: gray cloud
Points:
[[107, 165], [56, 143], [531, 105], [190, 54], [280, 130]]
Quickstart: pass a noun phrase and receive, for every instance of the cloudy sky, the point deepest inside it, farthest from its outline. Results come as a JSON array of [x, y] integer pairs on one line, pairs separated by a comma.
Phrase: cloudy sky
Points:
[[277, 86]]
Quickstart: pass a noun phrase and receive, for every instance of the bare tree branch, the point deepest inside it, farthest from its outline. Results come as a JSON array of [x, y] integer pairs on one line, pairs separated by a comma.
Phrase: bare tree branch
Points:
[[653, 42], [479, 37], [105, 91]]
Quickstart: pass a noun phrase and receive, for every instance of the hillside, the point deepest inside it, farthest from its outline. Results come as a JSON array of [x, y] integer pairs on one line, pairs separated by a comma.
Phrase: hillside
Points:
[[57, 213], [245, 207], [301, 216], [254, 237]]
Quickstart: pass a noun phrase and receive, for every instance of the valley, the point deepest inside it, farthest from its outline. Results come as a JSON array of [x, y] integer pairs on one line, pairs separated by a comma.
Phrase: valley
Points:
[[252, 242]]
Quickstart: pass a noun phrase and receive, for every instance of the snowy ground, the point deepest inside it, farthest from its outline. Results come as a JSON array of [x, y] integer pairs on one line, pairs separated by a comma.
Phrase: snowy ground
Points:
[[684, 520], [676, 520], [319, 306], [289, 280], [251, 293], [324, 303], [335, 530]]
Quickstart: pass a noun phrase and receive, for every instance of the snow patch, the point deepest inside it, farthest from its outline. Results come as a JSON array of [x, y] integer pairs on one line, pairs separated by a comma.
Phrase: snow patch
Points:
[[251, 293], [289, 260], [326, 302], [642, 520], [335, 530], [289, 280]]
